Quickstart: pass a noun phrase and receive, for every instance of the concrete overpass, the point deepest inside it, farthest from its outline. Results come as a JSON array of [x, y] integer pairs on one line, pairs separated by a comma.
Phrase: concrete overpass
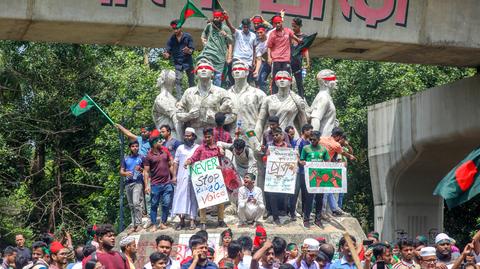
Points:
[[413, 140], [440, 32]]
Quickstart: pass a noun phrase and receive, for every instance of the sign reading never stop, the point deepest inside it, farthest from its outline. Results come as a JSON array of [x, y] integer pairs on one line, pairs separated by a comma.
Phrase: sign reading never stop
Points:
[[208, 183]]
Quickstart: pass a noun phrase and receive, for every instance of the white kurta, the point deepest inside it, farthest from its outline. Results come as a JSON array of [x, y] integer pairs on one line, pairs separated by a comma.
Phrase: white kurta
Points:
[[184, 201]]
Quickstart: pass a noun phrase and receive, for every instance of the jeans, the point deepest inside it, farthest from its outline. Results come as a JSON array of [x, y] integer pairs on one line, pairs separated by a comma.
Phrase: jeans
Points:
[[279, 66], [179, 78], [263, 74], [165, 194], [134, 193], [329, 199], [340, 200], [299, 186], [217, 78]]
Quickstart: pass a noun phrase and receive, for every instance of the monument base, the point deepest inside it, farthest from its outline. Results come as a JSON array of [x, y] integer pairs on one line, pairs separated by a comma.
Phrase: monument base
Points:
[[333, 230]]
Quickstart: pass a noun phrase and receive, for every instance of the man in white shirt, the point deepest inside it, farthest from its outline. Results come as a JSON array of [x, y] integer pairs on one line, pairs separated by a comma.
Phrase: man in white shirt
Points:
[[164, 245], [250, 201]]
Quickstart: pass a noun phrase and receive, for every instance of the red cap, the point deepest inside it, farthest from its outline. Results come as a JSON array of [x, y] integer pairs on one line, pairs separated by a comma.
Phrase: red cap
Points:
[[257, 19], [56, 247], [277, 19], [217, 14]]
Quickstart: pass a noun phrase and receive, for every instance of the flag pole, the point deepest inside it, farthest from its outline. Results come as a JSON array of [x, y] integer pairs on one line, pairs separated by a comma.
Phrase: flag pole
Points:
[[103, 112]]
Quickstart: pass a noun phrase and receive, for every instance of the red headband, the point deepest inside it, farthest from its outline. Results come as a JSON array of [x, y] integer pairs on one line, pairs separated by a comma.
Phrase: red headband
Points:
[[204, 67], [217, 14], [261, 29], [277, 19], [257, 20], [173, 25], [227, 234], [279, 77], [239, 69], [331, 78]]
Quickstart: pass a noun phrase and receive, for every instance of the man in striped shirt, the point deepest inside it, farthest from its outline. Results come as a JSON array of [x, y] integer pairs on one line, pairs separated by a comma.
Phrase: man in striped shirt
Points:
[[407, 253]]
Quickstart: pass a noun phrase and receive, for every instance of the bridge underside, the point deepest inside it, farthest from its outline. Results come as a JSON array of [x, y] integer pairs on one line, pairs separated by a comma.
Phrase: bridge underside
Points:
[[407, 31]]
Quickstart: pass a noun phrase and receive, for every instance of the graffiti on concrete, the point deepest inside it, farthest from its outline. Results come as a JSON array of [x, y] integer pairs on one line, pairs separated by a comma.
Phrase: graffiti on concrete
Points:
[[117, 3], [315, 10]]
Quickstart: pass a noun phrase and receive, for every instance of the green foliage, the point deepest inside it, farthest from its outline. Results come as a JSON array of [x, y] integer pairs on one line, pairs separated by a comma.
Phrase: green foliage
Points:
[[61, 172]]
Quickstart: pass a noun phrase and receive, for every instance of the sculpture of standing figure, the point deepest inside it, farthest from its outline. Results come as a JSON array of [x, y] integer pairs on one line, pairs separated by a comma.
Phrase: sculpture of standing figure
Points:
[[323, 110], [164, 109], [199, 104], [247, 100], [286, 105]]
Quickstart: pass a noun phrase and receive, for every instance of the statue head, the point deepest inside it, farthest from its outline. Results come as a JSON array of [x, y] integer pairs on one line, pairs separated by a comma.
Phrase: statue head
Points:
[[283, 79], [204, 69], [239, 70], [327, 78], [166, 80]]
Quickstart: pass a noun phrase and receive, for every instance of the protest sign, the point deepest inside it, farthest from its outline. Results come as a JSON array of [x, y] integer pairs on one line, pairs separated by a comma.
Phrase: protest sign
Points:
[[208, 183], [281, 170], [325, 177]]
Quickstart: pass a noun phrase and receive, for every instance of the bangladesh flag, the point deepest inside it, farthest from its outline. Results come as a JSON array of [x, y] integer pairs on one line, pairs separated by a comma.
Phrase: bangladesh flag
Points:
[[189, 10], [250, 134], [307, 42], [82, 106], [216, 5], [462, 183]]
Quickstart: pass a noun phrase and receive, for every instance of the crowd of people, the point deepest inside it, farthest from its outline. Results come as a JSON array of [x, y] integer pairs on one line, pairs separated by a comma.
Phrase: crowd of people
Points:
[[243, 253]]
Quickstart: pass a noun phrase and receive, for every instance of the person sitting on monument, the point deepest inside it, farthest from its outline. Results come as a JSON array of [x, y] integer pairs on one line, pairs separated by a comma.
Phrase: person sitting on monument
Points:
[[180, 47], [219, 132], [243, 157], [250, 202], [217, 41], [313, 153], [205, 151]]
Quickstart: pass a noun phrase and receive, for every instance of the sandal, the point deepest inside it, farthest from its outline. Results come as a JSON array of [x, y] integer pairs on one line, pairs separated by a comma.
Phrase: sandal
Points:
[[193, 226], [179, 226]]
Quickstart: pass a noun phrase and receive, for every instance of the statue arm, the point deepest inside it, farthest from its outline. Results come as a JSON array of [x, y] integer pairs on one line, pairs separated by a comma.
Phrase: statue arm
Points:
[[227, 108], [181, 113], [262, 118], [319, 109]]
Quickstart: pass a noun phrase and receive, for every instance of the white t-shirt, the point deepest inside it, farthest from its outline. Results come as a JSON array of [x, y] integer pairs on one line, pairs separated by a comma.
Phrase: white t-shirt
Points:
[[244, 44], [245, 263]]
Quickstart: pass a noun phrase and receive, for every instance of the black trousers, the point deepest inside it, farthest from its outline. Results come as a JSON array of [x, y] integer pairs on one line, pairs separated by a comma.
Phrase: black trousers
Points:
[[279, 66]]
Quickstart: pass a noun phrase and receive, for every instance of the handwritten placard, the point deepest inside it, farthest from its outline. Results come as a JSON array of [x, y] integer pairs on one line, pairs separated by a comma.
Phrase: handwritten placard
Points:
[[281, 170], [208, 183], [325, 177]]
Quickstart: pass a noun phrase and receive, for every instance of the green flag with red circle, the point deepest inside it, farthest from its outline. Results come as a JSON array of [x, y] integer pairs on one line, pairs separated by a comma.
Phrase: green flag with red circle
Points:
[[189, 10], [462, 183], [82, 106]]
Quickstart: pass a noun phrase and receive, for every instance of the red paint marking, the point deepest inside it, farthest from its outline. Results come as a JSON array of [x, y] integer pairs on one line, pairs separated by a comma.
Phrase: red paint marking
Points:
[[83, 104]]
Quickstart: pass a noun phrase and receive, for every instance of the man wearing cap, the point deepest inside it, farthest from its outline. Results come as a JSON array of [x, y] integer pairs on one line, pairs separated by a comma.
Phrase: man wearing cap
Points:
[[131, 168], [443, 245], [59, 255], [374, 236], [306, 260], [279, 50], [180, 47], [244, 48], [159, 177], [217, 41], [129, 248], [429, 258], [184, 201]]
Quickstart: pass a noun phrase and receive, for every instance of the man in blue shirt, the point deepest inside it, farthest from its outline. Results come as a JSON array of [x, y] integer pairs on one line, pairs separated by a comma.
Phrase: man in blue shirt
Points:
[[180, 48], [142, 139], [346, 262], [131, 169]]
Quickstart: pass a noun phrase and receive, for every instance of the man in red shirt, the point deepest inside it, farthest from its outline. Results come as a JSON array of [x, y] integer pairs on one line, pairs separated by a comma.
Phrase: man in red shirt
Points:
[[279, 48], [105, 254], [159, 177], [205, 151]]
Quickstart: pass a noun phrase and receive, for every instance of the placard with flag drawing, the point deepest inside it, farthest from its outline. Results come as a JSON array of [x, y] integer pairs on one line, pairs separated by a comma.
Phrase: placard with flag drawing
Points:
[[325, 177]]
